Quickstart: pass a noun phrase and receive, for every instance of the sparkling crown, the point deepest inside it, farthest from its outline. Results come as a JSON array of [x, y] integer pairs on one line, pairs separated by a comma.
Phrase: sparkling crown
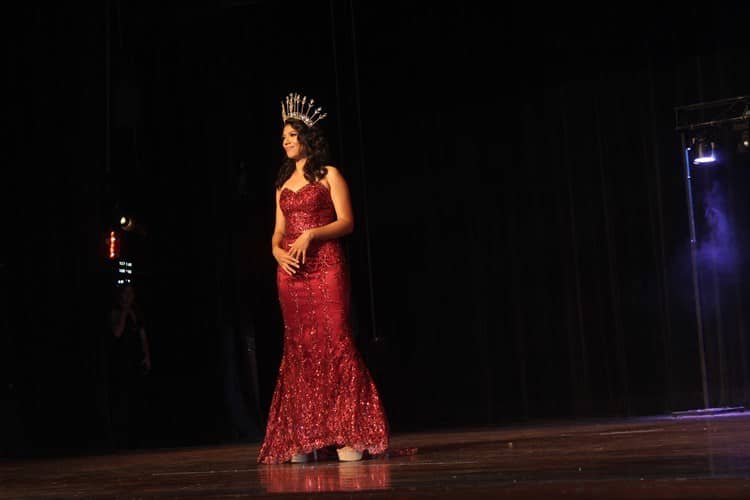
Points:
[[297, 106]]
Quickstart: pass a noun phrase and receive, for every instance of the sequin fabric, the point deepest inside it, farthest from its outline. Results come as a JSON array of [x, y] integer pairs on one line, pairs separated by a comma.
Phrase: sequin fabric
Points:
[[324, 394]]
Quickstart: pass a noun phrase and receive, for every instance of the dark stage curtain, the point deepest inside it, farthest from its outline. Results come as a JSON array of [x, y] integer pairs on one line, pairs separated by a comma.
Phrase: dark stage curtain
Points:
[[521, 247]]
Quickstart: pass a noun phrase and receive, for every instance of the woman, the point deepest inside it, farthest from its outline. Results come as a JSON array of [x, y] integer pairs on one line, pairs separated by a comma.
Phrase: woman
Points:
[[324, 396]]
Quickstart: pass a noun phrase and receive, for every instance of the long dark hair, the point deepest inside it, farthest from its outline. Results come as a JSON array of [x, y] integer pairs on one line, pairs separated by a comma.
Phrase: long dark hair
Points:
[[314, 145]]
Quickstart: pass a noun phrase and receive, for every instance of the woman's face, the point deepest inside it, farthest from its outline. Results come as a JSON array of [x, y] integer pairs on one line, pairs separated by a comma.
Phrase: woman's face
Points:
[[290, 140]]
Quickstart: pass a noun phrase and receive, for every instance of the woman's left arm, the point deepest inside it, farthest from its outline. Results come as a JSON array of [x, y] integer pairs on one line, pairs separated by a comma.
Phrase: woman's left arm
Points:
[[344, 223]]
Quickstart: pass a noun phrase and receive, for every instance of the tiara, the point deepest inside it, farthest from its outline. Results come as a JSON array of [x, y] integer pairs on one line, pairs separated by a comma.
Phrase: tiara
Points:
[[298, 107]]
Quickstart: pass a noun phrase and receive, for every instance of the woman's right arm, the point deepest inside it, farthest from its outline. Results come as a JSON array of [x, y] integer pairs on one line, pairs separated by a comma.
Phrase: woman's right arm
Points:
[[288, 263]]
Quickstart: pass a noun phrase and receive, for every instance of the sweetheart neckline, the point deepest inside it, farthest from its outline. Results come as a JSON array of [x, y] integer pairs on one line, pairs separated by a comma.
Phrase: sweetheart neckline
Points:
[[303, 187]]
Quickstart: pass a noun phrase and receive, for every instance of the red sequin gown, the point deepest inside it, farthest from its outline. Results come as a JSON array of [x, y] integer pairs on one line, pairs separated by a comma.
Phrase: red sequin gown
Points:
[[324, 393]]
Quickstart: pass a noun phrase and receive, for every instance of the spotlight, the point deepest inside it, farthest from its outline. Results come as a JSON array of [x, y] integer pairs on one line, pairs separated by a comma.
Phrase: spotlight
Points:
[[703, 151], [743, 145], [131, 225], [127, 223]]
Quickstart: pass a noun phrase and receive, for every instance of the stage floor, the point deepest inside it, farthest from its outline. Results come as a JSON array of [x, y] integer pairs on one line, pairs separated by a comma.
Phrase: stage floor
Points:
[[684, 457]]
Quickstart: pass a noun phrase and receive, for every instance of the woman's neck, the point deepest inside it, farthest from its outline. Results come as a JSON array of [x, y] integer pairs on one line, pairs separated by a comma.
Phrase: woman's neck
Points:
[[300, 164]]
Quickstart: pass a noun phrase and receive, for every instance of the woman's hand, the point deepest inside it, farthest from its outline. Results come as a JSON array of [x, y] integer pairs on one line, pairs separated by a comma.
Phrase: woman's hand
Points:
[[298, 249], [287, 263]]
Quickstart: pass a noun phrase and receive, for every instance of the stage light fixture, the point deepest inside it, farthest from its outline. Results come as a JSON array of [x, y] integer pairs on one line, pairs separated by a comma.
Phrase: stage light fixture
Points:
[[703, 151], [743, 145], [127, 223], [131, 225]]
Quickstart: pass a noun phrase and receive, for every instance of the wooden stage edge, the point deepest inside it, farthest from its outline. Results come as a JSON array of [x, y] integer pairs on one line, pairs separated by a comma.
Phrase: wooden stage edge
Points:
[[685, 457]]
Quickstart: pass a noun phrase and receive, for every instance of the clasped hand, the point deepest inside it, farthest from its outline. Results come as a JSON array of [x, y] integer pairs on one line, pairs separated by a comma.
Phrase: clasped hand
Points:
[[290, 260], [298, 249]]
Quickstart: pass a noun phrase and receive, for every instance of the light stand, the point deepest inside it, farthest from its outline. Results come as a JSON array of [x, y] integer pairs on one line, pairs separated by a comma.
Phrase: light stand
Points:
[[724, 112]]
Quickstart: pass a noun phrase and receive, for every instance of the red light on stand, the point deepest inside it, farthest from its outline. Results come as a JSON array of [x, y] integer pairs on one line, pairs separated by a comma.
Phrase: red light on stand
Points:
[[114, 245]]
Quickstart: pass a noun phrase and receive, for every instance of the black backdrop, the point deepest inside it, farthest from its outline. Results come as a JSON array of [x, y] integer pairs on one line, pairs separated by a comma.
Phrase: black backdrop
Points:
[[521, 249]]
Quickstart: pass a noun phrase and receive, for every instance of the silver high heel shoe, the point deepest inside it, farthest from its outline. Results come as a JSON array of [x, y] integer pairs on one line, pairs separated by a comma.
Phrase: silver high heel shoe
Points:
[[348, 454]]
